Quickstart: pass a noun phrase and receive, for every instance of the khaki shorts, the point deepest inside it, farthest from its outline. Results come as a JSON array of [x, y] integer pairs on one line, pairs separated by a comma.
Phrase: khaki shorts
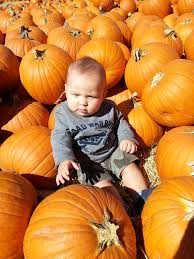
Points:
[[92, 172]]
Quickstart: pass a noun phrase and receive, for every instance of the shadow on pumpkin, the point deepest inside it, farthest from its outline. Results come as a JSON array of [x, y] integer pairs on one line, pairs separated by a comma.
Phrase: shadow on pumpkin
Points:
[[186, 247], [41, 182]]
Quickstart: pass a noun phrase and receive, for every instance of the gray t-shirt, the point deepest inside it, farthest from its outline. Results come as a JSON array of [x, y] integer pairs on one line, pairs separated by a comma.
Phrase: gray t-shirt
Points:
[[95, 136]]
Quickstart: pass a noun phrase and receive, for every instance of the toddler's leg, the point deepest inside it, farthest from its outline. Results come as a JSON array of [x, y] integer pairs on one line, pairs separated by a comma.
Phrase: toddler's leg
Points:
[[108, 186], [133, 178]]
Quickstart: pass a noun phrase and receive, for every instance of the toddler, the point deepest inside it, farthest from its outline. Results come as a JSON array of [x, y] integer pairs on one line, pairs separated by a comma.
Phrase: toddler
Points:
[[91, 136]]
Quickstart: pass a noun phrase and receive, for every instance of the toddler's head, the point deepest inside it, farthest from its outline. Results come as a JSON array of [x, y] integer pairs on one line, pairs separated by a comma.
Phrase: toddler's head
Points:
[[86, 86]]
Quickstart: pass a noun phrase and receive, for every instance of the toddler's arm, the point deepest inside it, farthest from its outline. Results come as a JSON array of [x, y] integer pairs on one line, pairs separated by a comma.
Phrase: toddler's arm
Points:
[[128, 146], [65, 170]]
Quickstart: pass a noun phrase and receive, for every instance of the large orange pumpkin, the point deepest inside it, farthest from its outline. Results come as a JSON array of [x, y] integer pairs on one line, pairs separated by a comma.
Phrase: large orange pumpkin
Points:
[[185, 6], [18, 200], [28, 152], [145, 62], [167, 220], [80, 222], [160, 8], [168, 97], [9, 69], [34, 114], [107, 53], [46, 74], [175, 153]]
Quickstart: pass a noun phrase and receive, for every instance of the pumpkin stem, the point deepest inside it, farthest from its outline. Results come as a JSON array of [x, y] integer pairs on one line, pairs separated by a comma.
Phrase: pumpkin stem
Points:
[[129, 14], [156, 79], [106, 232], [170, 32], [135, 99], [24, 32], [138, 54], [189, 207], [39, 54], [75, 33], [90, 32]]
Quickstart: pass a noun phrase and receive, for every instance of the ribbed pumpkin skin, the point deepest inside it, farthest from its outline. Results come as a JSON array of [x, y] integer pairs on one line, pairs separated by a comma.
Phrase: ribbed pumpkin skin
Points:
[[61, 226], [70, 41], [175, 153], [28, 152], [35, 114], [45, 77], [152, 57], [185, 6], [122, 100], [149, 132], [189, 48], [9, 67], [167, 220], [168, 97], [102, 27], [107, 53], [18, 200], [160, 8]]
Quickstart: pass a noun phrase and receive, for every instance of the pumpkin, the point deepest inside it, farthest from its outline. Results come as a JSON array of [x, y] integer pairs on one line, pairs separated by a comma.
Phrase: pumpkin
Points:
[[69, 40], [145, 62], [125, 50], [132, 20], [160, 8], [125, 32], [46, 74], [49, 26], [18, 200], [80, 222], [9, 67], [2, 38], [28, 152], [104, 27], [105, 5], [168, 97], [167, 218], [122, 98], [78, 22], [148, 132], [185, 6], [184, 27], [170, 20], [34, 114], [175, 153], [159, 33], [128, 5], [22, 39], [108, 54], [189, 48]]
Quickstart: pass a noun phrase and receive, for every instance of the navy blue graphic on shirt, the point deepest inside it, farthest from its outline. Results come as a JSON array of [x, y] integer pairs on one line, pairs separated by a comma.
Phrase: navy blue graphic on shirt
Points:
[[92, 140]]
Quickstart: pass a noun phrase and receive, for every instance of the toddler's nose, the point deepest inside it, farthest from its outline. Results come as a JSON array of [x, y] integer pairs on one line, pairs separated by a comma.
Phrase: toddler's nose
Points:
[[83, 101]]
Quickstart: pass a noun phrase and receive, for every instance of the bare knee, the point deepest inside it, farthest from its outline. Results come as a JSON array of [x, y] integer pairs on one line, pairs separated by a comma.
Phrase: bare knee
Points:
[[104, 183]]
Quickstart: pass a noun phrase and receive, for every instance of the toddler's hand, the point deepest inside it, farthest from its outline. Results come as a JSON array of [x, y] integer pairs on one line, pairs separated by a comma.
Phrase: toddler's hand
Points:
[[128, 146], [64, 171]]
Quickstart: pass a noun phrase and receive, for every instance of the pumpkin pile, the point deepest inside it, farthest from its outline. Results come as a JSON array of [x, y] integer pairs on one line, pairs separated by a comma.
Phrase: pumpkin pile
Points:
[[147, 50]]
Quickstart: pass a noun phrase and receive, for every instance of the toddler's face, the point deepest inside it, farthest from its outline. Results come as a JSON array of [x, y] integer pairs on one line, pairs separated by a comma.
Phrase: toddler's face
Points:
[[85, 93]]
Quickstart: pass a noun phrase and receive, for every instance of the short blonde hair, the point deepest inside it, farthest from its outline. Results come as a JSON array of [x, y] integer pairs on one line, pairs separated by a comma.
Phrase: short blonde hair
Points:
[[87, 65]]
